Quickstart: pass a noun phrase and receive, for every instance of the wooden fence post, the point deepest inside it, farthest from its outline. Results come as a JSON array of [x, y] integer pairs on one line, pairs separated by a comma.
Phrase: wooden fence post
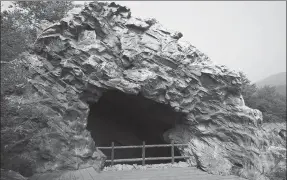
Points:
[[113, 154], [172, 152], [143, 154]]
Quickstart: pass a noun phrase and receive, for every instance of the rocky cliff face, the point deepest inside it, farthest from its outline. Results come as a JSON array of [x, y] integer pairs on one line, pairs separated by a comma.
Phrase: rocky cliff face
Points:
[[102, 47]]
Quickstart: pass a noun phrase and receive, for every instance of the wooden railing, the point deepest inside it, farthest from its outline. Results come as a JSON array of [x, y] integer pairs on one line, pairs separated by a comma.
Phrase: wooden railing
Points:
[[143, 158]]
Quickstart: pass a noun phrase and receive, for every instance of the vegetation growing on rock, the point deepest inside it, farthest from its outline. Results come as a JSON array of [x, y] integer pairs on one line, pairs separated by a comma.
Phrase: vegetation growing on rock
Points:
[[44, 93]]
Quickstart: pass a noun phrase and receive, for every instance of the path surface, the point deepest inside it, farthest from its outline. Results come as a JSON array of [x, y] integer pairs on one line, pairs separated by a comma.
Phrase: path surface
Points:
[[187, 173]]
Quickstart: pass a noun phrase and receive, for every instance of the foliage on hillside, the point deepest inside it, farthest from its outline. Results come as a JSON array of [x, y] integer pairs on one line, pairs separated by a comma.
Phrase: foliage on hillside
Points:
[[272, 104], [19, 27], [266, 99], [18, 32], [281, 89]]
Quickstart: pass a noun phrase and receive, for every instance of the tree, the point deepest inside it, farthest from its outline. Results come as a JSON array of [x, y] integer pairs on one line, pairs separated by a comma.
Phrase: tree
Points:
[[18, 31], [16, 34], [247, 90], [45, 10], [266, 99], [271, 103], [19, 27]]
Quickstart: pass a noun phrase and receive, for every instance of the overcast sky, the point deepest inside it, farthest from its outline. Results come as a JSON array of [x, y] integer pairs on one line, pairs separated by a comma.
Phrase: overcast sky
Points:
[[245, 36]]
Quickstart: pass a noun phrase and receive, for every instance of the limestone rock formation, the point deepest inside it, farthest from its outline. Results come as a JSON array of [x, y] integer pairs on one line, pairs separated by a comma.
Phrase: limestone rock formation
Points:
[[102, 47]]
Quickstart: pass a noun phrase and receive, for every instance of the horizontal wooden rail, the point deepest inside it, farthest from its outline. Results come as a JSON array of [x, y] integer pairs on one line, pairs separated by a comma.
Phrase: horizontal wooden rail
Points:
[[148, 159], [143, 158], [141, 146]]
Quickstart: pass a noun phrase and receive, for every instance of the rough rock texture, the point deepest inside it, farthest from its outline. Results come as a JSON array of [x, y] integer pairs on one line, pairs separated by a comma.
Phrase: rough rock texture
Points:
[[11, 175], [103, 48]]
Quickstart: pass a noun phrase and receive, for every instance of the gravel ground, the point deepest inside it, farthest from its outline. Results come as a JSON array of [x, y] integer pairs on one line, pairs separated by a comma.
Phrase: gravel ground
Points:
[[126, 167]]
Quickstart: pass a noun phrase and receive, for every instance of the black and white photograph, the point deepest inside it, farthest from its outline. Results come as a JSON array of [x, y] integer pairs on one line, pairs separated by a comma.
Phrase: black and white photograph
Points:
[[143, 90]]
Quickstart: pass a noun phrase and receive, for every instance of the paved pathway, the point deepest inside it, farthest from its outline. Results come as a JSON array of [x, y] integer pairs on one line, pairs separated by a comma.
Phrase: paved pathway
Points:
[[187, 173]]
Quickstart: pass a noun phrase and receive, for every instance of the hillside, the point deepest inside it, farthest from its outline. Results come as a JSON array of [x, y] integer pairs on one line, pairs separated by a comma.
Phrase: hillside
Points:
[[273, 80], [277, 80], [281, 89]]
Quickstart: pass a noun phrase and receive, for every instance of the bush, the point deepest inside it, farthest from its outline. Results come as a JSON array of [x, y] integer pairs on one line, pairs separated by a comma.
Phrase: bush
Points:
[[266, 99]]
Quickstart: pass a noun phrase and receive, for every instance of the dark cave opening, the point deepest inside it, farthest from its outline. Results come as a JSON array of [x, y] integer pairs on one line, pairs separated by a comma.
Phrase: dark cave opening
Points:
[[129, 120]]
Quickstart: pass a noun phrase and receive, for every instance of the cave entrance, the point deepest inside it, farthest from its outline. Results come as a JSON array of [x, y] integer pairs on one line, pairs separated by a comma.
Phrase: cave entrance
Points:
[[129, 120]]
